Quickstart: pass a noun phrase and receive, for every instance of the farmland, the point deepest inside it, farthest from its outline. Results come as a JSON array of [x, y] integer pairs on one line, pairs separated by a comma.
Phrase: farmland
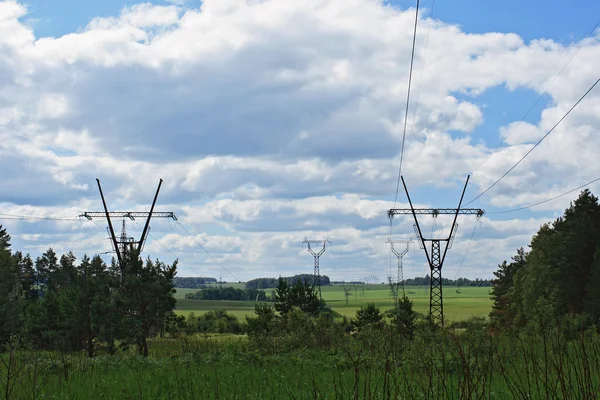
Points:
[[459, 303]]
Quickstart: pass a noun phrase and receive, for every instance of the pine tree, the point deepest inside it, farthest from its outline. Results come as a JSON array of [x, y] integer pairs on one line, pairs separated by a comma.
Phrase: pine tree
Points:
[[11, 292], [4, 239], [27, 275], [403, 317], [145, 300], [503, 314]]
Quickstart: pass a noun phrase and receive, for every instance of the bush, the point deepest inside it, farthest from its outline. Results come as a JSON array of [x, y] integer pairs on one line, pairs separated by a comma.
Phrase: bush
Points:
[[369, 316], [219, 321]]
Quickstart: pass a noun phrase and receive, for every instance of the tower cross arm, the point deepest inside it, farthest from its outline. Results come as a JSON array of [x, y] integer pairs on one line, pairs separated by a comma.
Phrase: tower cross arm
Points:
[[128, 214], [436, 211]]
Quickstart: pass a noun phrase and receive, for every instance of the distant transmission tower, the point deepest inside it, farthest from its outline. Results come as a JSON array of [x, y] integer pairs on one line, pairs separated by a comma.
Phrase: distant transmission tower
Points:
[[316, 274], [123, 244], [400, 272], [436, 257]]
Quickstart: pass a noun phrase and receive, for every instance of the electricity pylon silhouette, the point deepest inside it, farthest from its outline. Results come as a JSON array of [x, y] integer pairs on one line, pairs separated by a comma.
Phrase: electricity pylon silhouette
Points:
[[123, 244], [436, 257], [316, 273], [400, 273]]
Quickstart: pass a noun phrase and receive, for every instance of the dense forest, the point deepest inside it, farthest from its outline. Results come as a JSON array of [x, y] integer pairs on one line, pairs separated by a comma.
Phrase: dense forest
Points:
[[557, 276], [57, 303], [271, 283]]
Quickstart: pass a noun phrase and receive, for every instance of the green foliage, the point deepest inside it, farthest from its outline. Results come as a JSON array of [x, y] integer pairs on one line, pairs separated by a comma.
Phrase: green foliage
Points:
[[11, 304], [301, 295], [561, 265], [227, 293], [59, 304], [219, 322], [144, 301], [263, 322], [4, 239], [271, 283], [503, 293], [404, 318], [369, 316]]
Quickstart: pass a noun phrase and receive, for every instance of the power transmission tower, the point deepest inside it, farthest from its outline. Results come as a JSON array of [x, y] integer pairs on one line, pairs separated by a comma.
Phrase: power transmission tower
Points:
[[400, 273], [435, 257], [317, 273], [124, 245]]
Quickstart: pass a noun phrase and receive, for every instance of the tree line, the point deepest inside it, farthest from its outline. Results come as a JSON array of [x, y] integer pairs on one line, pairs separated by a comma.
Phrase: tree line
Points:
[[198, 282], [463, 282], [556, 278], [272, 283], [228, 293], [57, 303]]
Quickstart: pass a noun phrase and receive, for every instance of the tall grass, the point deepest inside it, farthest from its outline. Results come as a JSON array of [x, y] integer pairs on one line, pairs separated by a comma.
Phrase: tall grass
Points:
[[371, 364]]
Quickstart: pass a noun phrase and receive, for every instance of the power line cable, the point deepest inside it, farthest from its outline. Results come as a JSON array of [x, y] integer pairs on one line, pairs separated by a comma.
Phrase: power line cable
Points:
[[412, 59], [503, 141], [534, 146], [412, 126], [206, 251], [36, 218], [186, 266], [467, 249], [544, 201], [33, 137]]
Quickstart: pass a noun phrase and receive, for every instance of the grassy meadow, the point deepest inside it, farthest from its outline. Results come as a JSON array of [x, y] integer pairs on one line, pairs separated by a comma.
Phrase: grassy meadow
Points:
[[459, 304]]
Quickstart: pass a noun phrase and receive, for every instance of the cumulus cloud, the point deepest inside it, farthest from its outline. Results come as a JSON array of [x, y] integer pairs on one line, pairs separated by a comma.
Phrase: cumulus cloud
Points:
[[270, 121]]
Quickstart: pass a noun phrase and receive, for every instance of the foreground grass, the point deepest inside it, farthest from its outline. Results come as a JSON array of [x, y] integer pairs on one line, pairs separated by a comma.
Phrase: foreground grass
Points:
[[459, 304], [366, 366]]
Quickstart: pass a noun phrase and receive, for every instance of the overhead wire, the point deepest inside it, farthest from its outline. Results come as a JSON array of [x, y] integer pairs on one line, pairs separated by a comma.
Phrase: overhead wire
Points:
[[412, 58], [33, 137], [206, 251], [35, 218], [467, 249], [515, 126], [545, 201], [416, 107], [535, 145], [170, 252]]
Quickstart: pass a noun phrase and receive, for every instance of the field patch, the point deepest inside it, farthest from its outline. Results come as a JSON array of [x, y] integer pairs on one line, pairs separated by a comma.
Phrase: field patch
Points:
[[459, 303]]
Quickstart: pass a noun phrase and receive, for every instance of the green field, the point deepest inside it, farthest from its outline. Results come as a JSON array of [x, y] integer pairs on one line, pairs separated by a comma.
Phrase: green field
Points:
[[470, 302]]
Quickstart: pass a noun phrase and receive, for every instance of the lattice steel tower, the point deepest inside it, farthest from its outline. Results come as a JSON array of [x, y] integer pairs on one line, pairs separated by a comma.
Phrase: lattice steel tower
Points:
[[123, 244], [435, 257], [399, 255], [317, 273]]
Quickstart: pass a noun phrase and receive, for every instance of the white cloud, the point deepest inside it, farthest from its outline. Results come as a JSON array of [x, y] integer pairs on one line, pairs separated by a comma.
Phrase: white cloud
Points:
[[274, 120]]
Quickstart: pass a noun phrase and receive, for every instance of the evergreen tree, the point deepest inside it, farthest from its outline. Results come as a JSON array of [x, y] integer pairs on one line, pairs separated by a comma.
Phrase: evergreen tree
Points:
[[11, 303], [561, 265], [145, 300], [369, 316], [4, 239], [302, 295], [46, 266], [403, 318], [27, 275], [502, 313]]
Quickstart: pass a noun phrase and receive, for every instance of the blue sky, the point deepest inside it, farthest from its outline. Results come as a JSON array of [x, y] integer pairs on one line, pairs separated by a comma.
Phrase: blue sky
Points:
[[271, 121], [553, 19]]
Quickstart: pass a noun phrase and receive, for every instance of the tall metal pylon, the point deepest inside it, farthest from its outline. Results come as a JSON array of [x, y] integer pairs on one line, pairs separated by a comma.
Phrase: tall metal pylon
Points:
[[124, 245], [399, 255], [436, 257], [316, 273]]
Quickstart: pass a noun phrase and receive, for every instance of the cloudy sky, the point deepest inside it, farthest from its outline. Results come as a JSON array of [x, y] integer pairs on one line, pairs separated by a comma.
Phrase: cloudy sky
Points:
[[274, 120]]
